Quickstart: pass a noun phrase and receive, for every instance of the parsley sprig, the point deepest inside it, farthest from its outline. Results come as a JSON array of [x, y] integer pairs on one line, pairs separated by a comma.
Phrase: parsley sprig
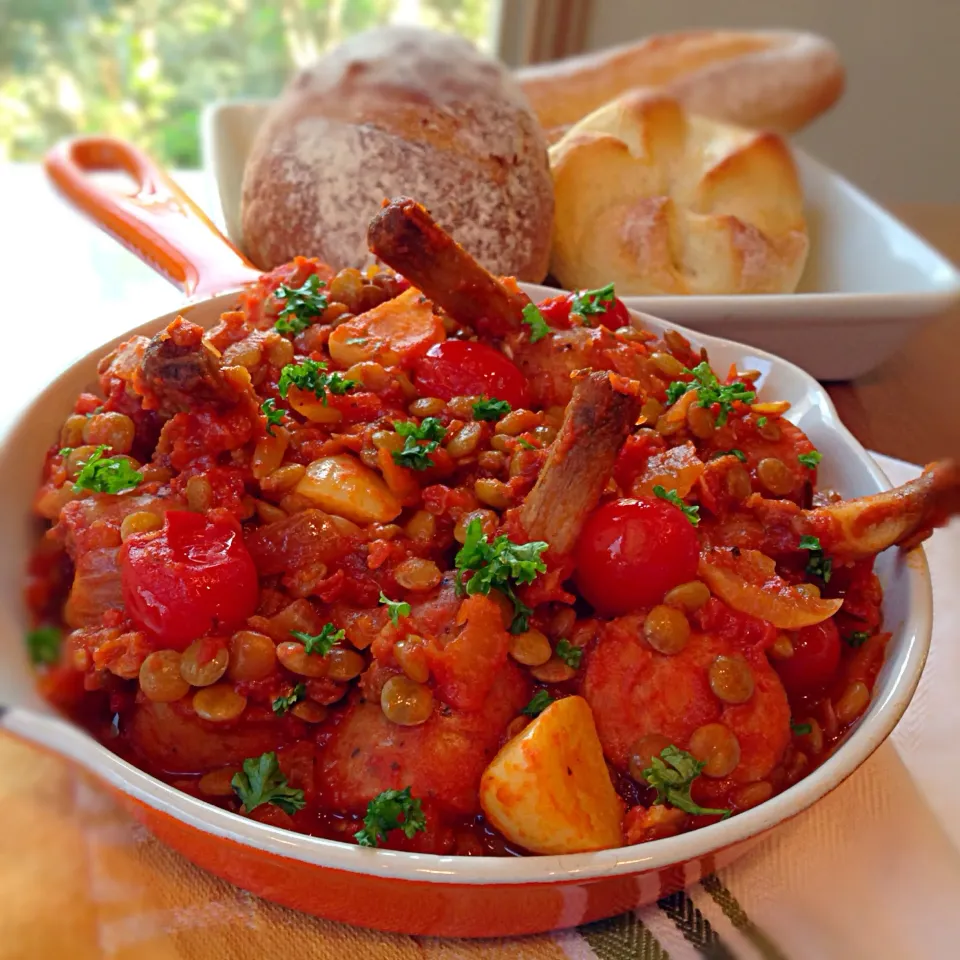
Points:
[[534, 319], [691, 512], [419, 442], [857, 639], [391, 810], [311, 376], [395, 608], [274, 415], [301, 305], [262, 782], [810, 459], [107, 474], [711, 391], [500, 565], [569, 654], [320, 643], [43, 645], [283, 703], [490, 408], [819, 565], [800, 729], [589, 303], [671, 775], [538, 703]]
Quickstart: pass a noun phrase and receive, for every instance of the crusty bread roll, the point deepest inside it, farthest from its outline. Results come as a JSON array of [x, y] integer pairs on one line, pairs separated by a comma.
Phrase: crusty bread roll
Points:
[[400, 111], [769, 79], [664, 202]]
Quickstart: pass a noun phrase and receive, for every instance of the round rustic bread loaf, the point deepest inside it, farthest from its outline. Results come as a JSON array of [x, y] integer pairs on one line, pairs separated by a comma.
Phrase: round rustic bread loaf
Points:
[[400, 111], [661, 201]]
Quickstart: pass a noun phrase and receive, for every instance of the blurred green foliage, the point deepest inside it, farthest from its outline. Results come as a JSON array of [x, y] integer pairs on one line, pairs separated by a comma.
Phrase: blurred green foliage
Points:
[[143, 69]]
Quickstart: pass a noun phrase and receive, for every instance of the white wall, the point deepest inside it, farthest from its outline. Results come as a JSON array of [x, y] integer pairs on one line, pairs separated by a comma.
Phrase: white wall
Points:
[[896, 130]]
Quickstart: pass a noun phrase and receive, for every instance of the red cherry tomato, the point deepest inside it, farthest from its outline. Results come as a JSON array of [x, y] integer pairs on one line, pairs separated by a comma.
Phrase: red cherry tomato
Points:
[[631, 552], [557, 311], [465, 368], [816, 656], [194, 576]]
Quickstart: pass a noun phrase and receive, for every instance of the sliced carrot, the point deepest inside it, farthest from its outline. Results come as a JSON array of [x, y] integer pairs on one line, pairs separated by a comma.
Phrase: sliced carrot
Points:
[[396, 332], [403, 485]]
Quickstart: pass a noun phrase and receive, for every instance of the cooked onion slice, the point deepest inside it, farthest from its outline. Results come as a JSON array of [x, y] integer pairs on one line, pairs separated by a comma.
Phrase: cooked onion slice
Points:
[[747, 582]]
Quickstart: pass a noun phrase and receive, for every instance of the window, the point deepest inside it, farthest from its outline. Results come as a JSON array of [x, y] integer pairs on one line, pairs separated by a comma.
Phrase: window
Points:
[[144, 69]]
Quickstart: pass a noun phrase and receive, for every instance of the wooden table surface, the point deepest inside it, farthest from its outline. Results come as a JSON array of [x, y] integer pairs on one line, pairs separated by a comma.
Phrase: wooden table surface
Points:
[[910, 406]]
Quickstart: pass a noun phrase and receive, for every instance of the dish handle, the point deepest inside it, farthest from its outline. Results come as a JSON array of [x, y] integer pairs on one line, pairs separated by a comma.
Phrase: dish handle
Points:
[[158, 222]]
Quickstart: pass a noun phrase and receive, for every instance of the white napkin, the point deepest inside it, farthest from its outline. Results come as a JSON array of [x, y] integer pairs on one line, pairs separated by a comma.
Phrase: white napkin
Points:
[[873, 870]]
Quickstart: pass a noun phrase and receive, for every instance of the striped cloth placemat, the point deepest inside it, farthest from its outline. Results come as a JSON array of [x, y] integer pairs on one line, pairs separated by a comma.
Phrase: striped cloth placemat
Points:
[[872, 871]]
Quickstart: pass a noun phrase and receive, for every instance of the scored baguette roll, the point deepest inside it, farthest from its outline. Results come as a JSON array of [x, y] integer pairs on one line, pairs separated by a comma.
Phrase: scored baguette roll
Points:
[[397, 111], [660, 201], [769, 79]]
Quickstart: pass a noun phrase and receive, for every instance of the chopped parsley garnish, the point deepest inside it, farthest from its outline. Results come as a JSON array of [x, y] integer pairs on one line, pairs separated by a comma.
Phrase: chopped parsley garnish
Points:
[[320, 643], [262, 782], [490, 408], [671, 775], [734, 452], [273, 414], [711, 391], [691, 512], [419, 442], [588, 303], [810, 459], [569, 654], [311, 376], [801, 728], [301, 305], [395, 608], [43, 645], [499, 565], [533, 318], [538, 703], [391, 810], [107, 474], [676, 390], [857, 639], [761, 421], [818, 565], [282, 704], [526, 444], [65, 451]]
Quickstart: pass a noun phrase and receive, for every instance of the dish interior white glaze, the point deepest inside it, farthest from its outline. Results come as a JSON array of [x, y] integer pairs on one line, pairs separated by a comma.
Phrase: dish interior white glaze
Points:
[[870, 282], [845, 467]]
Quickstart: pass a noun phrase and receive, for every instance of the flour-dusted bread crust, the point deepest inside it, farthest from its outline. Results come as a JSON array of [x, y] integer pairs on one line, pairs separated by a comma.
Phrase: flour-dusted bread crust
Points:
[[660, 201], [400, 111], [770, 79]]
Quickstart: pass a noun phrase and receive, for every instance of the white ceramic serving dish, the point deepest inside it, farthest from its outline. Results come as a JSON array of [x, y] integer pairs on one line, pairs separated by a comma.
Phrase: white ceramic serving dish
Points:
[[432, 894], [870, 281]]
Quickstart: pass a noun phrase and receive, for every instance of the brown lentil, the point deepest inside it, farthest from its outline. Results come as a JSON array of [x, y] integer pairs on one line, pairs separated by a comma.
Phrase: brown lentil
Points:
[[426, 407], [141, 521], [411, 658], [737, 482], [666, 629], [517, 422], [406, 702], [253, 656], [465, 441], [219, 703], [116, 430], [160, 678], [202, 673], [774, 474], [493, 493], [700, 421], [853, 701], [217, 783], [344, 664], [688, 596], [294, 657], [643, 751], [731, 679], [531, 648], [717, 747]]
